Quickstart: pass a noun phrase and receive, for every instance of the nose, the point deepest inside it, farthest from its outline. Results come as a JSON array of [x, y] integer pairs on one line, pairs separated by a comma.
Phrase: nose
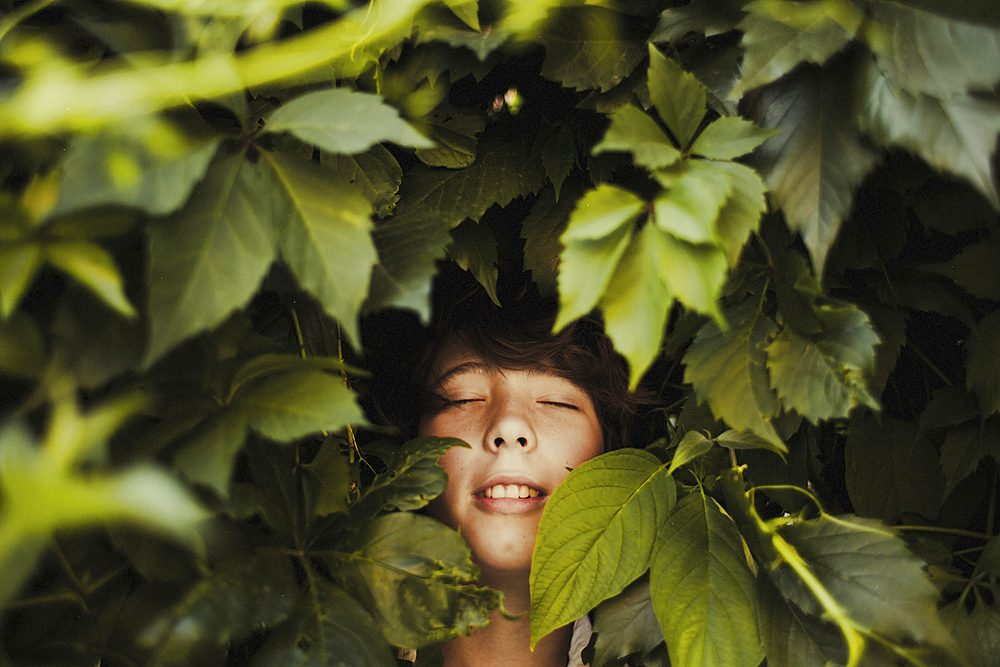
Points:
[[511, 427]]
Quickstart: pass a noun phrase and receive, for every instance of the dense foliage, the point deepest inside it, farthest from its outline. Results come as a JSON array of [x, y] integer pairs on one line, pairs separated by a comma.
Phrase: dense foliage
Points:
[[786, 213]]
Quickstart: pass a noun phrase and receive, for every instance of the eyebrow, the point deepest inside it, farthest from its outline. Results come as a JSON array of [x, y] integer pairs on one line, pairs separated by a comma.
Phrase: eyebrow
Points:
[[460, 369]]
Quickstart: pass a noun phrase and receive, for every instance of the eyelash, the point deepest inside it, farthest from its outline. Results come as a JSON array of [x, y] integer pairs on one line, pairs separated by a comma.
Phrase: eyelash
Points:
[[464, 401]]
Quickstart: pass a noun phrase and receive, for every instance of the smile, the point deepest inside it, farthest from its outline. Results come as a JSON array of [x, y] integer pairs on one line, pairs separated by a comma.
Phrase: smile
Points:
[[509, 491]]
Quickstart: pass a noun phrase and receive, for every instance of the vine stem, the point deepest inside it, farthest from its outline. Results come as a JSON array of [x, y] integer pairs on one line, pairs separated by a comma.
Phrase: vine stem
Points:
[[947, 531], [74, 581], [930, 364]]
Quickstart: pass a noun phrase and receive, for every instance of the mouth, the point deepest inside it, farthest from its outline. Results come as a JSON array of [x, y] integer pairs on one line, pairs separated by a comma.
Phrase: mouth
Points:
[[509, 491]]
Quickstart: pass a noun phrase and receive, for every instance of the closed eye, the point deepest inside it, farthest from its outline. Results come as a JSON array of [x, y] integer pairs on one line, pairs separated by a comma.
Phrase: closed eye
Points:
[[464, 401], [560, 404]]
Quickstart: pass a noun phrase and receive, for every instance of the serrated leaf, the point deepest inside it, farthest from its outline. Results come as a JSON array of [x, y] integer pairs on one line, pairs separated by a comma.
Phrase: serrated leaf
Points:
[[890, 471], [341, 120], [792, 639], [331, 475], [948, 406], [292, 405], [691, 446], [541, 230], [245, 594], [964, 127], [415, 577], [869, 571], [590, 47], [598, 232], [974, 269], [678, 96], [324, 236], [633, 131], [626, 625], [502, 171], [605, 512], [474, 248], [375, 173], [982, 369], [559, 156], [729, 138], [703, 591], [687, 209], [209, 258], [454, 130], [926, 53], [636, 302], [409, 244], [838, 360], [964, 447], [815, 163], [695, 273], [709, 17], [740, 215], [412, 477], [727, 369], [92, 266], [778, 36]]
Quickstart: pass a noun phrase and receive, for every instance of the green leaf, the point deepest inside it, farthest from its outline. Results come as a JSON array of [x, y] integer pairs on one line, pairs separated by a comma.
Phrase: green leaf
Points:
[[22, 348], [330, 475], [977, 632], [695, 273], [633, 131], [970, 11], [502, 171], [209, 451], [155, 174], [19, 263], [729, 138], [948, 406], [778, 36], [327, 627], [677, 95], [636, 301], [541, 230], [871, 574], [454, 131], [838, 360], [691, 446], [324, 236], [696, 190], [590, 47], [415, 576], [474, 248], [964, 127], [209, 258], [375, 173], [964, 447], [409, 244], [341, 120], [93, 267], [293, 405], [626, 625], [740, 215], [973, 269], [709, 17], [890, 471], [703, 591], [245, 594], [793, 639], [605, 512], [559, 156], [816, 162], [982, 369], [598, 233], [412, 477], [925, 53]]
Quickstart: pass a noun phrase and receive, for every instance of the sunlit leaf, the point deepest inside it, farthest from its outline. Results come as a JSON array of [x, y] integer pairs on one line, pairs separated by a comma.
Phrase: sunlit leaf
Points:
[[687, 209], [606, 511], [209, 258], [677, 95], [375, 173], [324, 236], [633, 131], [695, 273], [729, 138], [740, 215], [792, 639], [691, 446], [292, 405], [703, 591], [93, 267], [18, 265]]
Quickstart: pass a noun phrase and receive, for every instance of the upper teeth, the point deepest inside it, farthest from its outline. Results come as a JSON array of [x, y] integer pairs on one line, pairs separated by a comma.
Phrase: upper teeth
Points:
[[511, 491]]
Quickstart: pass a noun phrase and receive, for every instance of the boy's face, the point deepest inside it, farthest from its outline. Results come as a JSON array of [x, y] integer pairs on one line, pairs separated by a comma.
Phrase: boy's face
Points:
[[525, 428]]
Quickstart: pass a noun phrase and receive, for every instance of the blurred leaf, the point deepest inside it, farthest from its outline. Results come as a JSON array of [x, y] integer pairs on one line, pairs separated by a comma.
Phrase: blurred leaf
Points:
[[210, 448], [703, 590], [626, 625], [19, 263], [605, 511], [324, 235], [589, 47], [778, 36], [244, 595], [292, 405], [541, 229], [948, 406], [977, 632], [22, 348], [454, 130], [341, 120], [838, 359], [331, 477], [890, 471], [415, 576], [965, 127], [375, 173], [633, 131], [93, 267], [209, 258], [815, 163], [678, 96], [964, 447], [412, 477], [973, 269], [982, 368], [709, 17], [474, 248]]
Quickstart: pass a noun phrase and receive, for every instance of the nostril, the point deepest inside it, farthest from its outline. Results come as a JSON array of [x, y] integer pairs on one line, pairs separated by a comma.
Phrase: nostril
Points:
[[497, 441], [523, 442]]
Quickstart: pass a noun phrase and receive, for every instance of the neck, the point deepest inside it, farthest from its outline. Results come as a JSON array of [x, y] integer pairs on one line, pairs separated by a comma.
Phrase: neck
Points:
[[505, 642]]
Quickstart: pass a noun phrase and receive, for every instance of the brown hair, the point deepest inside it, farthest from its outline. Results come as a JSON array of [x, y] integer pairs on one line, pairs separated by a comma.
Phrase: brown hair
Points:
[[517, 336]]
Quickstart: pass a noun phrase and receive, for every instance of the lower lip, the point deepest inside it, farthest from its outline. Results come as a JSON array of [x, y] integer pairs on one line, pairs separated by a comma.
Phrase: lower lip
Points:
[[509, 505]]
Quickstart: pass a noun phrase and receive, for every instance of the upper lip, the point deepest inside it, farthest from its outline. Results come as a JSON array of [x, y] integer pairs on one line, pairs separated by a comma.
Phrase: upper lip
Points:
[[510, 479]]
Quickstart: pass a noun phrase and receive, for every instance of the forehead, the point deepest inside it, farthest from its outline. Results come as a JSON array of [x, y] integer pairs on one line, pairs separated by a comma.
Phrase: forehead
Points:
[[455, 357]]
